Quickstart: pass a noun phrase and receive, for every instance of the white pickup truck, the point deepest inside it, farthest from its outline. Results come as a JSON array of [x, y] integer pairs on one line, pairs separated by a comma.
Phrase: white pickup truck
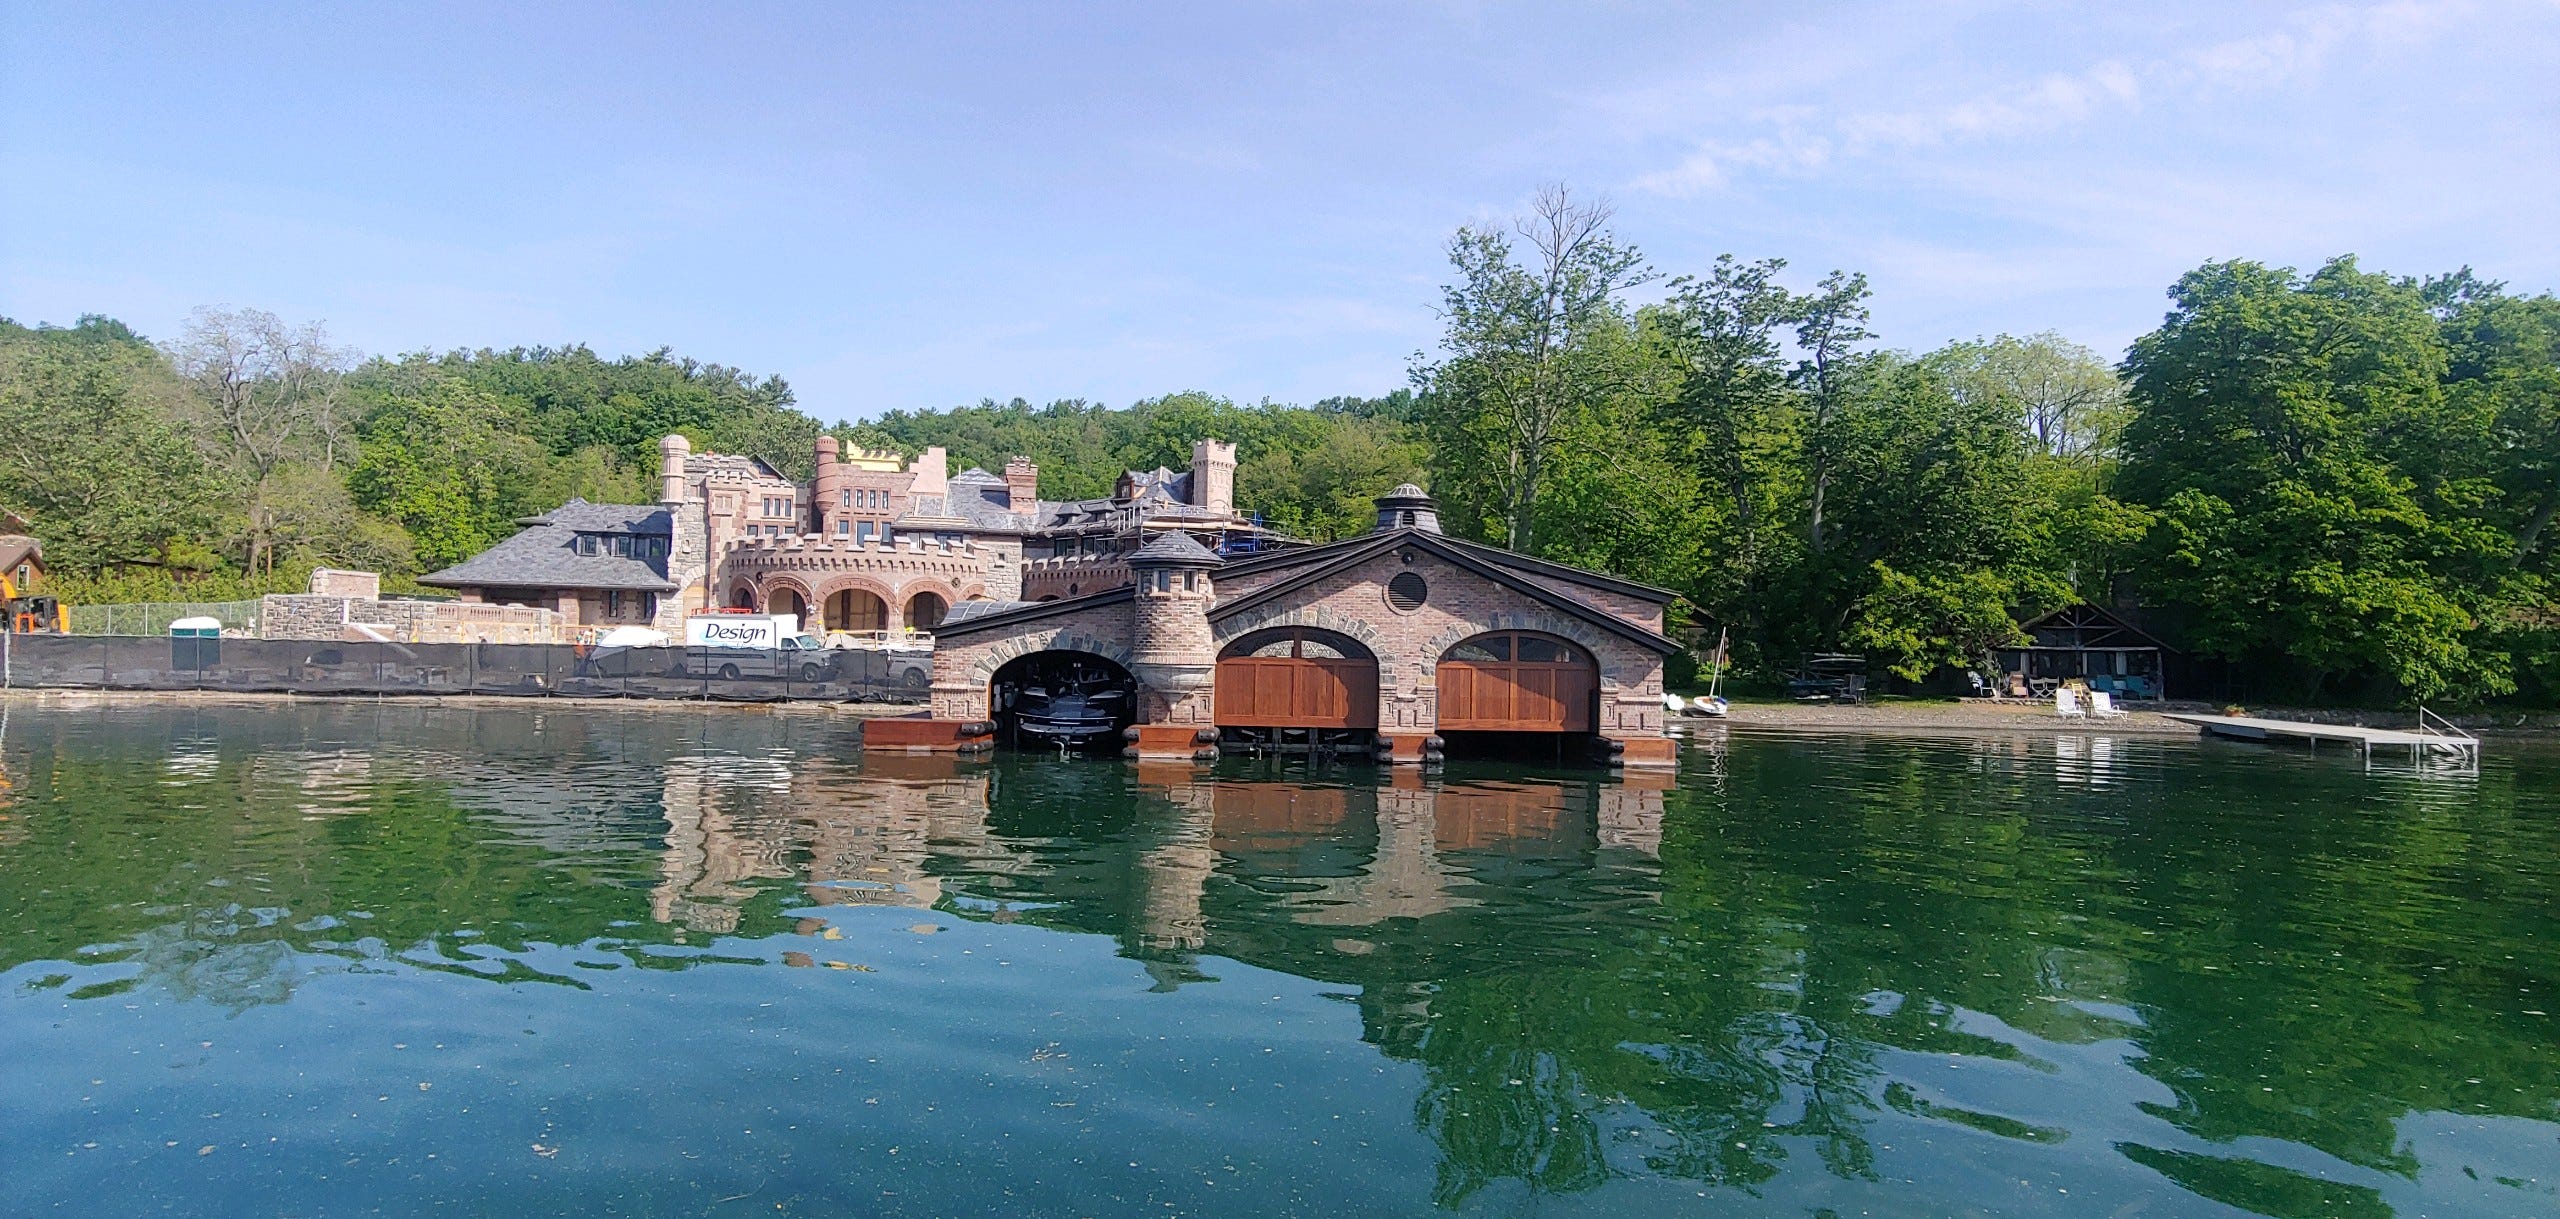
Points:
[[753, 645]]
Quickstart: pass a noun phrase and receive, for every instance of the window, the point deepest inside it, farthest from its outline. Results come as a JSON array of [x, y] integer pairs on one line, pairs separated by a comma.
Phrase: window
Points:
[[622, 545], [586, 543], [1405, 518], [1547, 650], [1496, 648], [848, 499], [649, 605], [613, 603], [843, 527], [1191, 581], [1406, 592]]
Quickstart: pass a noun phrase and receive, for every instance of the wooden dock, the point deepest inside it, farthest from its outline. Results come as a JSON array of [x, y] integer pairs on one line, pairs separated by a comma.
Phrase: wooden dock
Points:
[[2432, 740]]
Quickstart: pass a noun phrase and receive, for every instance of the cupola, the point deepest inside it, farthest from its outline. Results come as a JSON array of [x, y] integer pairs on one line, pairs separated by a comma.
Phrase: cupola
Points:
[[1408, 507]]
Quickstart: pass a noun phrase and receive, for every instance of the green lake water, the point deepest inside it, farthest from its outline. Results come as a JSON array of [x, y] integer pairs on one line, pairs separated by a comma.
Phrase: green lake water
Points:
[[403, 958]]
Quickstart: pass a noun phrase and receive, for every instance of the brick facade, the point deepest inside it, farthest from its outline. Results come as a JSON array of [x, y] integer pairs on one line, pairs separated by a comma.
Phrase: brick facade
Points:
[[1169, 630]]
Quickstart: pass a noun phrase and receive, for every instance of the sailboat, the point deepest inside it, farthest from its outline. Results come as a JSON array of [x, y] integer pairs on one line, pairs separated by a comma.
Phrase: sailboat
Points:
[[1712, 703]]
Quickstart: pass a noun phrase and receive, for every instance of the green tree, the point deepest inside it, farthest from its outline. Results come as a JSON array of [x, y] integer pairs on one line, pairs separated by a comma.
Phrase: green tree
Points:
[[90, 450], [2319, 502], [1530, 342]]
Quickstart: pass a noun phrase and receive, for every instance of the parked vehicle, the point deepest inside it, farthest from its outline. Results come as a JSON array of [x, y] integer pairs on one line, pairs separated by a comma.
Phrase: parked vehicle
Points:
[[752, 645]]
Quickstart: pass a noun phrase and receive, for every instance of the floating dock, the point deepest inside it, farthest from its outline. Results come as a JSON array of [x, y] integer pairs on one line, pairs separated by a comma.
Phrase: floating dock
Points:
[[2433, 739]]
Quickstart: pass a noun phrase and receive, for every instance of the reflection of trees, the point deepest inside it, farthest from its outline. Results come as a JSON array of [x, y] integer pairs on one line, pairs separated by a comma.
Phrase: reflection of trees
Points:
[[1595, 978]]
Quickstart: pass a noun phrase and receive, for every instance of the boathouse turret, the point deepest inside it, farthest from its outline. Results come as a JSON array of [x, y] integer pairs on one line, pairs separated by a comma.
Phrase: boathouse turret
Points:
[[1173, 650], [1408, 507]]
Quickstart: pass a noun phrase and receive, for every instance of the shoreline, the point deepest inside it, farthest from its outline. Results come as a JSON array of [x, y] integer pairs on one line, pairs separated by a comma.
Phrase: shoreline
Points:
[[1979, 715], [1890, 717]]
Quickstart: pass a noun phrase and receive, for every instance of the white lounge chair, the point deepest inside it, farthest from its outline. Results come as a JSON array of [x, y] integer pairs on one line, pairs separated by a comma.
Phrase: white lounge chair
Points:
[[2102, 705], [2066, 703]]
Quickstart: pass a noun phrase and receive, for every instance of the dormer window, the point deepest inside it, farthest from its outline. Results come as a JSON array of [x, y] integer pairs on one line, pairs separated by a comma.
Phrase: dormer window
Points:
[[589, 544]]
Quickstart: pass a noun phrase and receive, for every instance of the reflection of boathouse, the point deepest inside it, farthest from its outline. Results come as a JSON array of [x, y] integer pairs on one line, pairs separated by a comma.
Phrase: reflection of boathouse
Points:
[[1400, 636]]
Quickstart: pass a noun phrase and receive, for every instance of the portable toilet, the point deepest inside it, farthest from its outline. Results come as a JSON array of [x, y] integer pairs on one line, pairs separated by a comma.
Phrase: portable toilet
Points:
[[196, 628]]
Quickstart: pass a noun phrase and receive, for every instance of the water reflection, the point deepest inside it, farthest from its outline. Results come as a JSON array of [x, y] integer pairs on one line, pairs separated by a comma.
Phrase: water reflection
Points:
[[2027, 975]]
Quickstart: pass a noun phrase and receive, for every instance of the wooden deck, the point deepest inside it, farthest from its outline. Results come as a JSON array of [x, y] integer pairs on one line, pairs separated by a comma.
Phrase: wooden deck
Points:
[[2424, 743]]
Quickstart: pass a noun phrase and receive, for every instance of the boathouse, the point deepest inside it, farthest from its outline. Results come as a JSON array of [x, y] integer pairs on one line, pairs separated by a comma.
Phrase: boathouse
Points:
[[1398, 640]]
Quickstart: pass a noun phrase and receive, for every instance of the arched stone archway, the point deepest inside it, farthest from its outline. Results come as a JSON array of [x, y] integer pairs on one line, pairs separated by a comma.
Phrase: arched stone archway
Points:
[[743, 596], [925, 609], [1297, 677], [1517, 681], [856, 604], [1062, 698]]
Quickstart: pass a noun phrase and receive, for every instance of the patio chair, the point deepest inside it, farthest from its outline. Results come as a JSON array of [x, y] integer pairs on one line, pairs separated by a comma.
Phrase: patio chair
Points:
[[2066, 703], [2102, 705]]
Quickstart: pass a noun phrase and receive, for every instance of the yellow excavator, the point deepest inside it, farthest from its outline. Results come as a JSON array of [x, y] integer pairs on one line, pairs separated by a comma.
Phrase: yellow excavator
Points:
[[32, 614]]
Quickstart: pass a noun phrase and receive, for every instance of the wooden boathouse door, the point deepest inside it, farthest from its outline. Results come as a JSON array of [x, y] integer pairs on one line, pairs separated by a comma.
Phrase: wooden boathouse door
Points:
[[1514, 681], [1293, 677]]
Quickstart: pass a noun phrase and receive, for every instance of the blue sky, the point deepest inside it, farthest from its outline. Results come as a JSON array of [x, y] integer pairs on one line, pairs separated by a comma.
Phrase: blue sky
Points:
[[918, 206]]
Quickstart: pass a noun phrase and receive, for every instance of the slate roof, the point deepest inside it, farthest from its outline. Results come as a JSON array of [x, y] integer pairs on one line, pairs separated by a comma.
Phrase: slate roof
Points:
[[545, 555], [1173, 548]]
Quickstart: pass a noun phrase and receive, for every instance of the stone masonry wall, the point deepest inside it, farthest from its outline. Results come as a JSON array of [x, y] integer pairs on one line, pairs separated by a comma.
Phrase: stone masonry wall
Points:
[[304, 616]]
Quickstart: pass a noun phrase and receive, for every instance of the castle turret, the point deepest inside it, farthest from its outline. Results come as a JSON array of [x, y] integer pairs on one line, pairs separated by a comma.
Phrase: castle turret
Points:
[[1408, 507], [1175, 654], [826, 489], [1213, 475], [671, 478]]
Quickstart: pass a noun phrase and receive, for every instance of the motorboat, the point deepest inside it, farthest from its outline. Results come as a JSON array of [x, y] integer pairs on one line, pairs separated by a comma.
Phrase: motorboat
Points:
[[1070, 714]]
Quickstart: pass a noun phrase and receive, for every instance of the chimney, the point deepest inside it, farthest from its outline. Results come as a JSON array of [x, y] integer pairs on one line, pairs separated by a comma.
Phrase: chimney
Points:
[[1022, 485], [1213, 475]]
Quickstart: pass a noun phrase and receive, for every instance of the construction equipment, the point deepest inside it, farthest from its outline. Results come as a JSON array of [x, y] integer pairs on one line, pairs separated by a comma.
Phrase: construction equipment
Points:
[[31, 614]]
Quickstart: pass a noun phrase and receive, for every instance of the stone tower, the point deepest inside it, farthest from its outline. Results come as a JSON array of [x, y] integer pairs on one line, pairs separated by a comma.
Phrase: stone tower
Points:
[[1408, 507], [1173, 653], [688, 538], [1213, 475]]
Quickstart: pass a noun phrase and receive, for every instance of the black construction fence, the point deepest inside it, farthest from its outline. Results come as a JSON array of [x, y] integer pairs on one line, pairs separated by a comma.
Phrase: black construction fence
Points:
[[293, 666]]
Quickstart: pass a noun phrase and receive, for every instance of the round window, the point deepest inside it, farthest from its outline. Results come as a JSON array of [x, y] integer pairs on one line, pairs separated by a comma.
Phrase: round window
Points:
[[1407, 592]]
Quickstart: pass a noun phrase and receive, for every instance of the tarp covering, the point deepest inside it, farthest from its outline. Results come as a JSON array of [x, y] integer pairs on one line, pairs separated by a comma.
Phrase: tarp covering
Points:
[[298, 666]]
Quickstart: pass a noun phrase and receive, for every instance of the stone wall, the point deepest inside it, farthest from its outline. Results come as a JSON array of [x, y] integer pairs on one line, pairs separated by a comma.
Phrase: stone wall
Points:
[[1072, 575], [357, 585], [305, 616]]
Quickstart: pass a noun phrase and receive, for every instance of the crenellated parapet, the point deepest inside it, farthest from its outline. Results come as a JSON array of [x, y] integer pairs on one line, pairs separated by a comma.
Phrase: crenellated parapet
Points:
[[1073, 575]]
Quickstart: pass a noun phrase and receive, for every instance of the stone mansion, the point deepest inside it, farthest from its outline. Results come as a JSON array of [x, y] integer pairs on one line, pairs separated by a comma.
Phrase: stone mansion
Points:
[[871, 543]]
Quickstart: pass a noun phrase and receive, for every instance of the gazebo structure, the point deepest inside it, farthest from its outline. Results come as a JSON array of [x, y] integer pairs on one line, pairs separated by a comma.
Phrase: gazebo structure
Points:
[[2086, 642]]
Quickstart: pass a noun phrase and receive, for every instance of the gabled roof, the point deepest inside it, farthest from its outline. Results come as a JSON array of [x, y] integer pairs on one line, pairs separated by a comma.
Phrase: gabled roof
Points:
[[2090, 619], [545, 555], [1499, 566], [971, 617], [16, 548]]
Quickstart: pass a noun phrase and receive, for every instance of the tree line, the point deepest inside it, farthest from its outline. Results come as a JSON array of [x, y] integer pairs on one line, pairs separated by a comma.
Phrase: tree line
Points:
[[2341, 482]]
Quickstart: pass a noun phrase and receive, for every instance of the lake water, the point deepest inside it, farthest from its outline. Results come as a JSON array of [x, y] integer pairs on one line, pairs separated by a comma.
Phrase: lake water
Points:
[[404, 958]]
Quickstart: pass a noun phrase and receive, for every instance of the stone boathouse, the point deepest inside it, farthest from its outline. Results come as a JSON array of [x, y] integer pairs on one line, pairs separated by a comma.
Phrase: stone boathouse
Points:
[[1396, 640]]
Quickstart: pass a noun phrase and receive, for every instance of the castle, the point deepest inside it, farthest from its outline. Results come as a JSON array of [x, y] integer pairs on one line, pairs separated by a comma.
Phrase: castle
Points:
[[1174, 622], [870, 544]]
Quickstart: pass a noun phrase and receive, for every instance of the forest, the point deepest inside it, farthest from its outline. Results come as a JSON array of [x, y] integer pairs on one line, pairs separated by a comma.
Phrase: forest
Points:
[[2340, 483]]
